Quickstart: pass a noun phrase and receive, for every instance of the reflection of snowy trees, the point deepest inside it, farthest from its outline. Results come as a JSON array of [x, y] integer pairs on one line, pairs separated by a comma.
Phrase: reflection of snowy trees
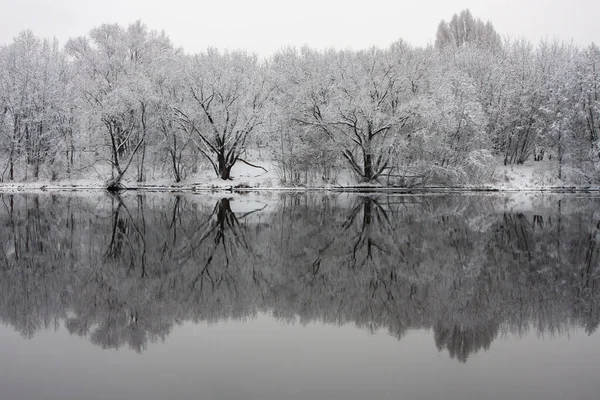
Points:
[[126, 270]]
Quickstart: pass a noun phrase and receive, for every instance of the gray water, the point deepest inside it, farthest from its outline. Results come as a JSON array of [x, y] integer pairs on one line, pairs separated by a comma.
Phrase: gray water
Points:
[[299, 296]]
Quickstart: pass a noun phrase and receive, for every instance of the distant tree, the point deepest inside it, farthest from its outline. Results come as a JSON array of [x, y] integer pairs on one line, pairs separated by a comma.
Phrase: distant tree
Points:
[[465, 30], [588, 73], [33, 80]]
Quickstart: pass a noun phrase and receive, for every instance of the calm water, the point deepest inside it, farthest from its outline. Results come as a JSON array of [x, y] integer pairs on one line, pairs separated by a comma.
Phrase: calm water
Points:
[[299, 296]]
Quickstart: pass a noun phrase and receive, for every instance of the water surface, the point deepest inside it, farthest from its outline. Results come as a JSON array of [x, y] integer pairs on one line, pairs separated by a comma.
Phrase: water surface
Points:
[[299, 296]]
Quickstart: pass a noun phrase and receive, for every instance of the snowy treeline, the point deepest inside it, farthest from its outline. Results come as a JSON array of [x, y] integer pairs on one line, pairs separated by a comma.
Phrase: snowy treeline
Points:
[[124, 102], [124, 271]]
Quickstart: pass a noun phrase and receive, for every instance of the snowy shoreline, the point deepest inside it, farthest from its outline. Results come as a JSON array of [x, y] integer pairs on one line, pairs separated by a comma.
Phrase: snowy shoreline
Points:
[[531, 177], [226, 187]]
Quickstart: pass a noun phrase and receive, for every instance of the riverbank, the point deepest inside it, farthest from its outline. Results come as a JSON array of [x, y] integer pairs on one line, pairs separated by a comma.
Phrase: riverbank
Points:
[[529, 177], [229, 187]]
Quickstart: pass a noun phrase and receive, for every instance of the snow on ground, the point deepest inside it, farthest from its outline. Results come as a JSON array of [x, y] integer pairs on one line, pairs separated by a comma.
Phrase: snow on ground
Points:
[[73, 184], [243, 175], [531, 176]]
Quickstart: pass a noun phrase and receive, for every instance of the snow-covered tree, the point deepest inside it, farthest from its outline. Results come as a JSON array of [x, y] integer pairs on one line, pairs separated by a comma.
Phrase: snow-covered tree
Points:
[[228, 97], [361, 100], [301, 151], [465, 30], [114, 68], [34, 124]]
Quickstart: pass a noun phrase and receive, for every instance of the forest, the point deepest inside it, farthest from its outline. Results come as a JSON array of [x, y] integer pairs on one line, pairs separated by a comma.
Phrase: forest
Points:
[[125, 104]]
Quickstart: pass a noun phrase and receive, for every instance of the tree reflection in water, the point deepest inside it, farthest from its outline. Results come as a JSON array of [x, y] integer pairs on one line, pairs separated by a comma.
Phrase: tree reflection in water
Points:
[[125, 270]]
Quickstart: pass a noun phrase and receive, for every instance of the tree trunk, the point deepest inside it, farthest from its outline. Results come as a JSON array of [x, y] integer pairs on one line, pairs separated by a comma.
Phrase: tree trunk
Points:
[[560, 154], [143, 122], [114, 185], [225, 172], [141, 177], [224, 167], [367, 167], [176, 164], [11, 170], [176, 172]]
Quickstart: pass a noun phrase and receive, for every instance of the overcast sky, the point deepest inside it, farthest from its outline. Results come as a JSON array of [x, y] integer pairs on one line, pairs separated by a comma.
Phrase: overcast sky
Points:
[[263, 26]]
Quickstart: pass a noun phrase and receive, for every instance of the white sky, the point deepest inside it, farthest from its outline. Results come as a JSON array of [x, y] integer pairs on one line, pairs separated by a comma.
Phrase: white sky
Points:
[[263, 26]]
